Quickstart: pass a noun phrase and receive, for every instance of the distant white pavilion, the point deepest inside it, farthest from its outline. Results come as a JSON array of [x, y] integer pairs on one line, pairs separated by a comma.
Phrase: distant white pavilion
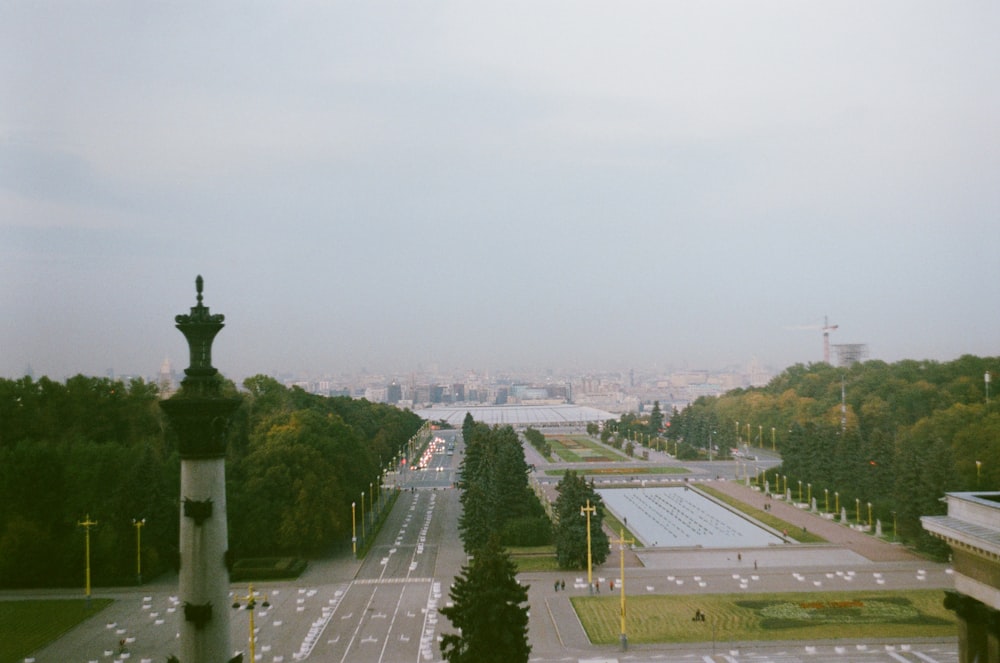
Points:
[[517, 415]]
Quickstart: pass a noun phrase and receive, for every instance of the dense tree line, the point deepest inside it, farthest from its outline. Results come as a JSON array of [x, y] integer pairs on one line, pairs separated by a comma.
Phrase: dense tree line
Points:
[[488, 605], [102, 447], [896, 435], [496, 496], [537, 439]]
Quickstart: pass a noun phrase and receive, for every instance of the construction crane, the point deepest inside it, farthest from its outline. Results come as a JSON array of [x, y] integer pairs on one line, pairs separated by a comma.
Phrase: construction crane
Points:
[[827, 328]]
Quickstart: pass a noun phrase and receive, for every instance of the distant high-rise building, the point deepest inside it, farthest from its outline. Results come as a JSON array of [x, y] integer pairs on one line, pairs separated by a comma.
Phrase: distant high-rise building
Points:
[[458, 392], [394, 392], [166, 379]]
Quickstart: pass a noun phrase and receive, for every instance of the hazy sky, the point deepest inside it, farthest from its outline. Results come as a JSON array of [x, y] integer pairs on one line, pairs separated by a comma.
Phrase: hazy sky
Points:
[[504, 184]]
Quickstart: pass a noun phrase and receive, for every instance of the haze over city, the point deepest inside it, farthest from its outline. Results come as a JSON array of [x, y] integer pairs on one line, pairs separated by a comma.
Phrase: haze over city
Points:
[[487, 186]]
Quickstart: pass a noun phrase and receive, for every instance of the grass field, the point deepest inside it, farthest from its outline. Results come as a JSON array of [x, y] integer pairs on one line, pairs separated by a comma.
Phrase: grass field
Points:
[[540, 558], [580, 449], [749, 617], [31, 624]]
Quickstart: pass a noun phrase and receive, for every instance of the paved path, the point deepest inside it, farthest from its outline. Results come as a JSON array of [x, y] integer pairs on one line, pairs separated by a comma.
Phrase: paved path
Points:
[[866, 545]]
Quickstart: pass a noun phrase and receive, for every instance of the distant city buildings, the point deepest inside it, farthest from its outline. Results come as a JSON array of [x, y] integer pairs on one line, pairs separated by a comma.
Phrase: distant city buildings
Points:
[[631, 390]]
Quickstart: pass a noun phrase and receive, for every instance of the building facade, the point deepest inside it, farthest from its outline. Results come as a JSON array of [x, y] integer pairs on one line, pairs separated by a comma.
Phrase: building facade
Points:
[[971, 529]]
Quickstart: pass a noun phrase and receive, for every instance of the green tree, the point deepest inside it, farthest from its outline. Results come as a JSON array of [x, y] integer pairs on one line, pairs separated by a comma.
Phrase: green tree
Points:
[[489, 610], [571, 525], [655, 419]]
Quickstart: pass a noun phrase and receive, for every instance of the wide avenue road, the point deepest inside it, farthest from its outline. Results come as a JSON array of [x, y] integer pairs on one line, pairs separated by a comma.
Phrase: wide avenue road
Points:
[[389, 612]]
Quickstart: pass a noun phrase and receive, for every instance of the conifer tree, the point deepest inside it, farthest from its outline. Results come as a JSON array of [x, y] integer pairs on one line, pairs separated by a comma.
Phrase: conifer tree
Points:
[[489, 610]]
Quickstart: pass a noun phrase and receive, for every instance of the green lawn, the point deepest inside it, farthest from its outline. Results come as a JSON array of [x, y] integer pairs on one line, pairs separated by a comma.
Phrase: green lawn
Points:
[[750, 617], [31, 624], [540, 558], [580, 448]]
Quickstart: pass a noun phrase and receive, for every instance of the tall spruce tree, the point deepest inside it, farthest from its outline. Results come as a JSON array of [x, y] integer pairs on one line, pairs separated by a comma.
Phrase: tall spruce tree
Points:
[[571, 526], [489, 610]]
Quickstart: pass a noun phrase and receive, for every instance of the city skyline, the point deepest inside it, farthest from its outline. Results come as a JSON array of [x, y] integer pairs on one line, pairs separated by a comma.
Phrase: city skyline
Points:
[[565, 186]]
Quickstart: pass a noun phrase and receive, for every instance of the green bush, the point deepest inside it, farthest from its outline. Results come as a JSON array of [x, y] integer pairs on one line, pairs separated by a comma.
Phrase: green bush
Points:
[[268, 568], [527, 531]]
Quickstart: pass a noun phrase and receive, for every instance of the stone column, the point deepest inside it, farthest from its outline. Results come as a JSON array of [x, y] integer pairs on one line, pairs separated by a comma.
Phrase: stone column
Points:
[[978, 629], [200, 414]]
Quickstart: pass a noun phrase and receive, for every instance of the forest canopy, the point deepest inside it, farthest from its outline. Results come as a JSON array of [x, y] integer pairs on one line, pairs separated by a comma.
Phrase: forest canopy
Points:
[[896, 435], [102, 448]]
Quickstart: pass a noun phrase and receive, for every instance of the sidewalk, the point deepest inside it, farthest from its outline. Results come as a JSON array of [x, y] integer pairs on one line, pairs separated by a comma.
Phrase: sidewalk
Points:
[[866, 545]]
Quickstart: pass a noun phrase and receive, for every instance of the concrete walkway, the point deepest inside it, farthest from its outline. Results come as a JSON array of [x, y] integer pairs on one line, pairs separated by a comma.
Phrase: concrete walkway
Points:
[[862, 543]]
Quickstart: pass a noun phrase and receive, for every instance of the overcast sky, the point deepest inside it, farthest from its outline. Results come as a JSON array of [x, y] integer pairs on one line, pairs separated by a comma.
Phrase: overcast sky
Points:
[[489, 185]]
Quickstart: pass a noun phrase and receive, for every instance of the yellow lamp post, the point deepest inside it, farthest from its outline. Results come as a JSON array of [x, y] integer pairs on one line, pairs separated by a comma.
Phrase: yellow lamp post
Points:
[[826, 500], [774, 446], [251, 603], [836, 499], [785, 479], [371, 503], [760, 436], [86, 525], [587, 510], [621, 581], [979, 472], [893, 526], [857, 509], [363, 529], [869, 515], [138, 523], [800, 490], [737, 434], [354, 532], [809, 494]]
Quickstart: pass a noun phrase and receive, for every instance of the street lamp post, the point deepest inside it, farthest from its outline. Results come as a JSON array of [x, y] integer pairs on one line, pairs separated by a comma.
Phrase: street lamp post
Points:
[[138, 523], [809, 494], [364, 534], [587, 510], [774, 446], [86, 524], [371, 500], [800, 490], [869, 515], [621, 582], [826, 500], [836, 500], [760, 436], [354, 532], [251, 603], [979, 472], [894, 527], [857, 510]]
